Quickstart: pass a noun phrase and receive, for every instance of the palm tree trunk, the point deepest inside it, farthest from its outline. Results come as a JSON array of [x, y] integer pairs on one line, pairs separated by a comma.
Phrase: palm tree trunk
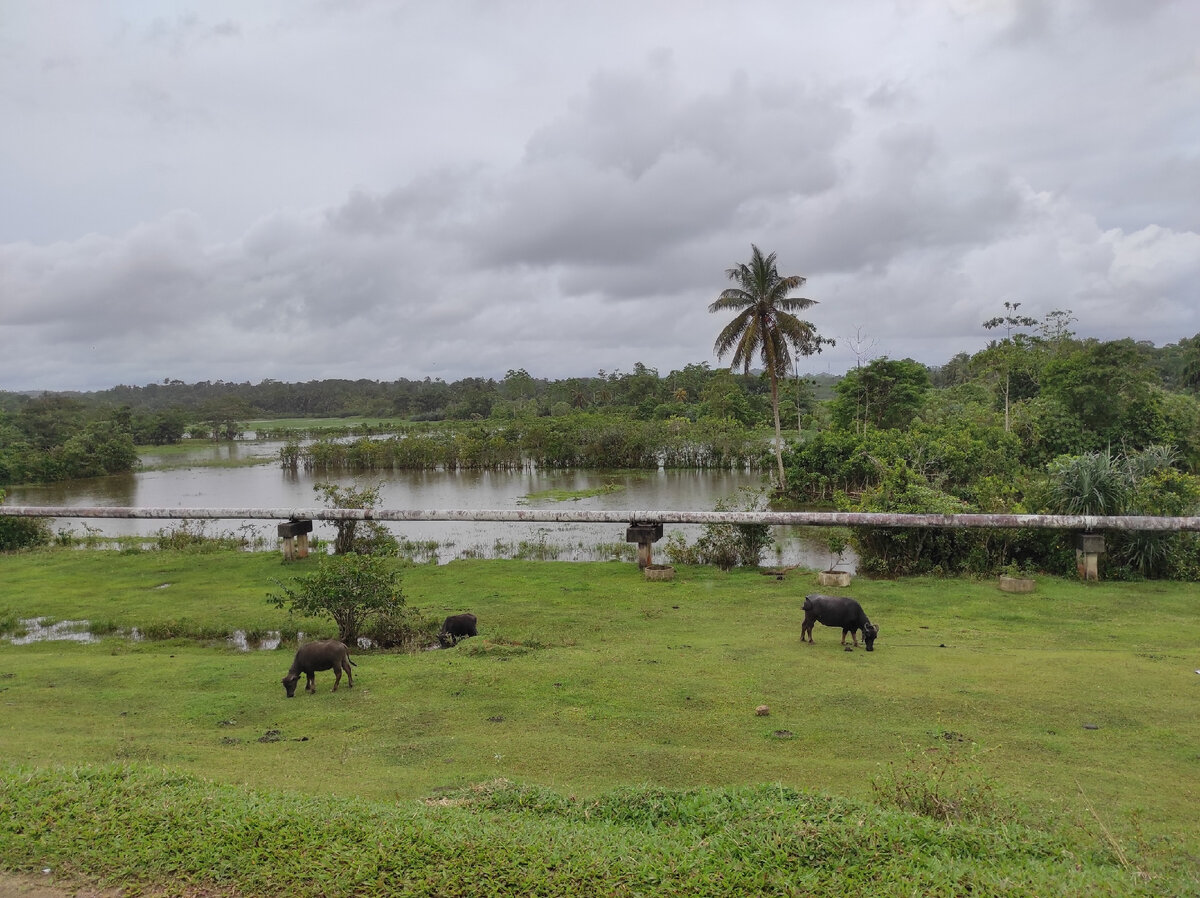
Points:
[[778, 432]]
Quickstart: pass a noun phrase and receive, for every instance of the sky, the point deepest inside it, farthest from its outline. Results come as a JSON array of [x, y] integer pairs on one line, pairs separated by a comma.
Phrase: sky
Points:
[[297, 190]]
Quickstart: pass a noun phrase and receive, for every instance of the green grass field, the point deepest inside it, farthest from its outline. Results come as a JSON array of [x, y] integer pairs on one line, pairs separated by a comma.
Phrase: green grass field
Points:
[[1070, 711]]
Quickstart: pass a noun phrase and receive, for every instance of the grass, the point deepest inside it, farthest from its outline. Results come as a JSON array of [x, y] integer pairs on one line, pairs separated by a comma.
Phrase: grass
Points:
[[502, 839], [558, 495], [1063, 718], [190, 454]]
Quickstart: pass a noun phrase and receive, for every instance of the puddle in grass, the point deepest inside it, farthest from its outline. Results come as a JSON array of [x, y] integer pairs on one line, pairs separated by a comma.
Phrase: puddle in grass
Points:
[[37, 630]]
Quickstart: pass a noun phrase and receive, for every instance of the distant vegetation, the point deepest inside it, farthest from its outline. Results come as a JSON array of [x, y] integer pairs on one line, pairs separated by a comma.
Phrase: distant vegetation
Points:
[[1029, 424]]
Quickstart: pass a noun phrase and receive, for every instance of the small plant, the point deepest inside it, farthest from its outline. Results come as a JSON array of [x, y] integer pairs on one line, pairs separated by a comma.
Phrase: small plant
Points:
[[193, 536], [403, 629], [23, 533], [352, 589], [837, 542], [943, 781]]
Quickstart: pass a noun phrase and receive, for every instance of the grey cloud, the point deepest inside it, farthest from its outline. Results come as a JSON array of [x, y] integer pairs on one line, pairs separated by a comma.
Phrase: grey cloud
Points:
[[638, 166], [454, 190]]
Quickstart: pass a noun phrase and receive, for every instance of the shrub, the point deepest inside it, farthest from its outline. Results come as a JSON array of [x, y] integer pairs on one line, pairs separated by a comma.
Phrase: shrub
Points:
[[23, 533], [354, 590], [725, 545], [401, 629], [359, 537]]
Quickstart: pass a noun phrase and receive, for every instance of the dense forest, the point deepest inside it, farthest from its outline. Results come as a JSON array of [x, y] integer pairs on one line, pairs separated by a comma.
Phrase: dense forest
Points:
[[1037, 421]]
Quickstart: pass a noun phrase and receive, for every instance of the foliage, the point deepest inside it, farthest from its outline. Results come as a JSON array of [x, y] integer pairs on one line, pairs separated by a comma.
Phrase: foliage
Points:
[[946, 781], [585, 439], [403, 628], [193, 536], [837, 540], [363, 537], [1011, 357], [52, 439], [354, 590], [1141, 483], [18, 533], [726, 545], [1096, 483], [897, 551], [158, 428], [881, 394]]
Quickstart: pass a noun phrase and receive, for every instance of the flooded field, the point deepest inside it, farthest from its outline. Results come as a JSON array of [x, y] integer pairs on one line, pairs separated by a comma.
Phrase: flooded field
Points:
[[247, 475]]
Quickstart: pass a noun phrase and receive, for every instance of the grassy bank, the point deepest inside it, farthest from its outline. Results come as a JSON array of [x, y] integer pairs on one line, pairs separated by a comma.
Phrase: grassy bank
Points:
[[1073, 707], [137, 827]]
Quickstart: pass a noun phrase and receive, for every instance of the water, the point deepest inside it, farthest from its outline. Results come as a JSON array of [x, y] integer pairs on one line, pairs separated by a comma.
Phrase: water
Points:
[[193, 482]]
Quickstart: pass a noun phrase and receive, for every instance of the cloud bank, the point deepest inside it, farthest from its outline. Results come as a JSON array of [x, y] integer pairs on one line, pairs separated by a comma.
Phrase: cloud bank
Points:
[[300, 191]]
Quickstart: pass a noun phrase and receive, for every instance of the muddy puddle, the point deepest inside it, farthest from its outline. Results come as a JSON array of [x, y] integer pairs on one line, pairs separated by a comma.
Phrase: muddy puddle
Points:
[[38, 629]]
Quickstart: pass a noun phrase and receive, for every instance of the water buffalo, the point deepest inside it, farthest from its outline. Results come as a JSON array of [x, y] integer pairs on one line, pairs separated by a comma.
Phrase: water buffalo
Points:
[[329, 654], [456, 627], [838, 611]]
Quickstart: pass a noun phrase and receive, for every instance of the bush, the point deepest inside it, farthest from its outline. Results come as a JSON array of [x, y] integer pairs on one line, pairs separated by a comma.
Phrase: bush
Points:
[[725, 545], [23, 533], [355, 590], [403, 629], [359, 537]]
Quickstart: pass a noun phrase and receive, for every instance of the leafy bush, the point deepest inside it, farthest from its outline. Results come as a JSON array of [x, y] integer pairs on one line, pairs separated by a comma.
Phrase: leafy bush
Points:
[[360, 537], [895, 551], [23, 533], [403, 628], [355, 590], [725, 545]]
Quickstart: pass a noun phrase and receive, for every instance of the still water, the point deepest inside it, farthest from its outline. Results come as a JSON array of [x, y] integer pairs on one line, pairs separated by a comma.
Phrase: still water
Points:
[[193, 482]]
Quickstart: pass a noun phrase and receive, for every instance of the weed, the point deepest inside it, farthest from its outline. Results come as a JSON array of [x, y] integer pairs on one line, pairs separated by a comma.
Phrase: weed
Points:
[[944, 781]]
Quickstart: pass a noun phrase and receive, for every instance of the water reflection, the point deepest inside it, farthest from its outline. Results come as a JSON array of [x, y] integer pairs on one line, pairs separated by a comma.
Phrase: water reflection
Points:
[[270, 486]]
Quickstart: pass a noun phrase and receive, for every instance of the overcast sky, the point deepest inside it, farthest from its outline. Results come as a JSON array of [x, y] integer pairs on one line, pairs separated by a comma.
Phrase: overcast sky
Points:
[[309, 189]]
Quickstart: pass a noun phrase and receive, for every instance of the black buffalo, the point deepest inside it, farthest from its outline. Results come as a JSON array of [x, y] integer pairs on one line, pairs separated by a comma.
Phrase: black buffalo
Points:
[[838, 611], [329, 654], [456, 627]]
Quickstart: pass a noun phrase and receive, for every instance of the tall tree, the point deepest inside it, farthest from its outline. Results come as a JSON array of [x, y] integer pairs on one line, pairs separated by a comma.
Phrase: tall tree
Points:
[[764, 327], [1006, 355]]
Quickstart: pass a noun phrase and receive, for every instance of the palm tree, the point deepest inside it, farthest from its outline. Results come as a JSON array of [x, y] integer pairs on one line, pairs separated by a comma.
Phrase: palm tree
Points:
[[765, 327]]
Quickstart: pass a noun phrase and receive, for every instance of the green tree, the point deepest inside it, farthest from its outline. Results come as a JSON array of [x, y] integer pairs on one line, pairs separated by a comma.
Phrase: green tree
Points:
[[1006, 356], [765, 328], [883, 394], [1190, 350], [1107, 387], [354, 590], [723, 397]]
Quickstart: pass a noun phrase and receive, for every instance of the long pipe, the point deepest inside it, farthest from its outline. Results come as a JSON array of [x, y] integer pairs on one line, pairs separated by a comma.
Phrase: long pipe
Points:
[[540, 515]]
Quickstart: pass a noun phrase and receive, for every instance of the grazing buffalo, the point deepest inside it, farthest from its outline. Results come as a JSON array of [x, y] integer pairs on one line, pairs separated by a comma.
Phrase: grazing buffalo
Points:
[[329, 654], [838, 611], [456, 627]]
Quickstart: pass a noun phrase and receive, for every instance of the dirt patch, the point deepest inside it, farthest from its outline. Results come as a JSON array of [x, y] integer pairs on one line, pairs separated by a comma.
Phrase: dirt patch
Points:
[[14, 885], [33, 885]]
